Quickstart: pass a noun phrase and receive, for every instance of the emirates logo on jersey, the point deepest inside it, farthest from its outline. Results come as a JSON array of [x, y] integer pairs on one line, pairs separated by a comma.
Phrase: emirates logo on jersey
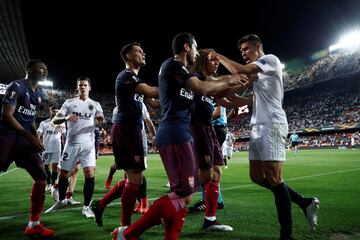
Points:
[[191, 180]]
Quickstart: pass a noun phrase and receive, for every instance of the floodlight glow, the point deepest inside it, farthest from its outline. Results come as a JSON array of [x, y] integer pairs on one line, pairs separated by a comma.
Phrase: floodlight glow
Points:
[[46, 83], [282, 66], [347, 41]]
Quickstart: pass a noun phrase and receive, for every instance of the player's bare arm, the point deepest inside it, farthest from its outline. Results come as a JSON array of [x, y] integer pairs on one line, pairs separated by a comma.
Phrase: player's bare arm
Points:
[[213, 88], [147, 90]]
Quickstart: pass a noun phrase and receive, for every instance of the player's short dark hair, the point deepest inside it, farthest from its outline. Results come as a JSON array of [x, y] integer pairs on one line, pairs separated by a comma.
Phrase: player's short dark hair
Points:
[[32, 62], [202, 59], [52, 107], [179, 41], [84, 78], [127, 49], [251, 38]]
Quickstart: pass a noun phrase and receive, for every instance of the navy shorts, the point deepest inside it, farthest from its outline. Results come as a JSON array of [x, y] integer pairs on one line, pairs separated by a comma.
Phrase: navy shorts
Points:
[[181, 168], [19, 150], [127, 147], [207, 148]]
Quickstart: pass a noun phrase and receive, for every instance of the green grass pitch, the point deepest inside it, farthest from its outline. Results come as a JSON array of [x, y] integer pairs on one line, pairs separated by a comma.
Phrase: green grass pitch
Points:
[[331, 175]]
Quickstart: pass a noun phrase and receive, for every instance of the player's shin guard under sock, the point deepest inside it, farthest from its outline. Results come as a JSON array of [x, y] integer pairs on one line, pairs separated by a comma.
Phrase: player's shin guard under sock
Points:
[[175, 226], [128, 201], [211, 192], [63, 185], [298, 199], [283, 207], [37, 200], [89, 186], [113, 194]]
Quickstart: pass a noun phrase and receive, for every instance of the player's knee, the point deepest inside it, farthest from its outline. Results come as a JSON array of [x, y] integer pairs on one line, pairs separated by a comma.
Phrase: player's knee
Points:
[[274, 180], [217, 173], [89, 172], [256, 178]]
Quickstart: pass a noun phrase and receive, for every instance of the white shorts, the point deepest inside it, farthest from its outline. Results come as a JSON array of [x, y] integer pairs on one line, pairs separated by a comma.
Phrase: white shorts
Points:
[[84, 153], [50, 157], [228, 152], [145, 146], [267, 142]]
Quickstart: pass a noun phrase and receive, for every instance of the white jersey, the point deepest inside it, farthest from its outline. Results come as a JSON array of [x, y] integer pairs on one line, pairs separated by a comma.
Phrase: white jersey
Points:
[[229, 140], [51, 135], [145, 115], [268, 92], [82, 131]]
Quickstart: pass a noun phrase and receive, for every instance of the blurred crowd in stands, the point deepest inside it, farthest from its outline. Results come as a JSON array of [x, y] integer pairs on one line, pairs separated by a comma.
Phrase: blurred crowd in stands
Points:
[[339, 64], [333, 140]]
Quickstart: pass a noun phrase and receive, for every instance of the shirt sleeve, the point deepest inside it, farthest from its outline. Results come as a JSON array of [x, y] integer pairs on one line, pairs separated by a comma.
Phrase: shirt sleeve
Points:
[[99, 111], [63, 109], [41, 128], [12, 94], [267, 63], [182, 74]]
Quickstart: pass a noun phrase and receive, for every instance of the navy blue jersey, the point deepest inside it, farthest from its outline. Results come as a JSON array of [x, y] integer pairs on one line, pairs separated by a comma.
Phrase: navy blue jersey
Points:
[[176, 102], [26, 101], [128, 108], [202, 112]]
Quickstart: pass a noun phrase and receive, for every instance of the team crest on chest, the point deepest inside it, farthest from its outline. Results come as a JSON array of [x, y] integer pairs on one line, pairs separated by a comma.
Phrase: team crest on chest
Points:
[[91, 107]]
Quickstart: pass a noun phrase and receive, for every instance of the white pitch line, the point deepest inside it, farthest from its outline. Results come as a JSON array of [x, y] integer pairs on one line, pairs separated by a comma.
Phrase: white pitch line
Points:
[[2, 174], [298, 178], [222, 189]]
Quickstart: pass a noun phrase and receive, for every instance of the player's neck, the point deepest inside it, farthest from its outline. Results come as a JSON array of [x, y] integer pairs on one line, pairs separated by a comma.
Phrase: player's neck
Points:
[[83, 97], [182, 58], [33, 84], [133, 68]]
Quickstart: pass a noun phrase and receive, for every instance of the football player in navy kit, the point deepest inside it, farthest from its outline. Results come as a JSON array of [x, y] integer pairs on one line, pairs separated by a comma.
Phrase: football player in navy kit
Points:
[[126, 135], [19, 141]]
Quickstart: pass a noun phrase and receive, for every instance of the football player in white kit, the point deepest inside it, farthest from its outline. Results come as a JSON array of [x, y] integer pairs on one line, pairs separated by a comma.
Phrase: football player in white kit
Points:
[[51, 136], [269, 130], [80, 114], [228, 148]]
